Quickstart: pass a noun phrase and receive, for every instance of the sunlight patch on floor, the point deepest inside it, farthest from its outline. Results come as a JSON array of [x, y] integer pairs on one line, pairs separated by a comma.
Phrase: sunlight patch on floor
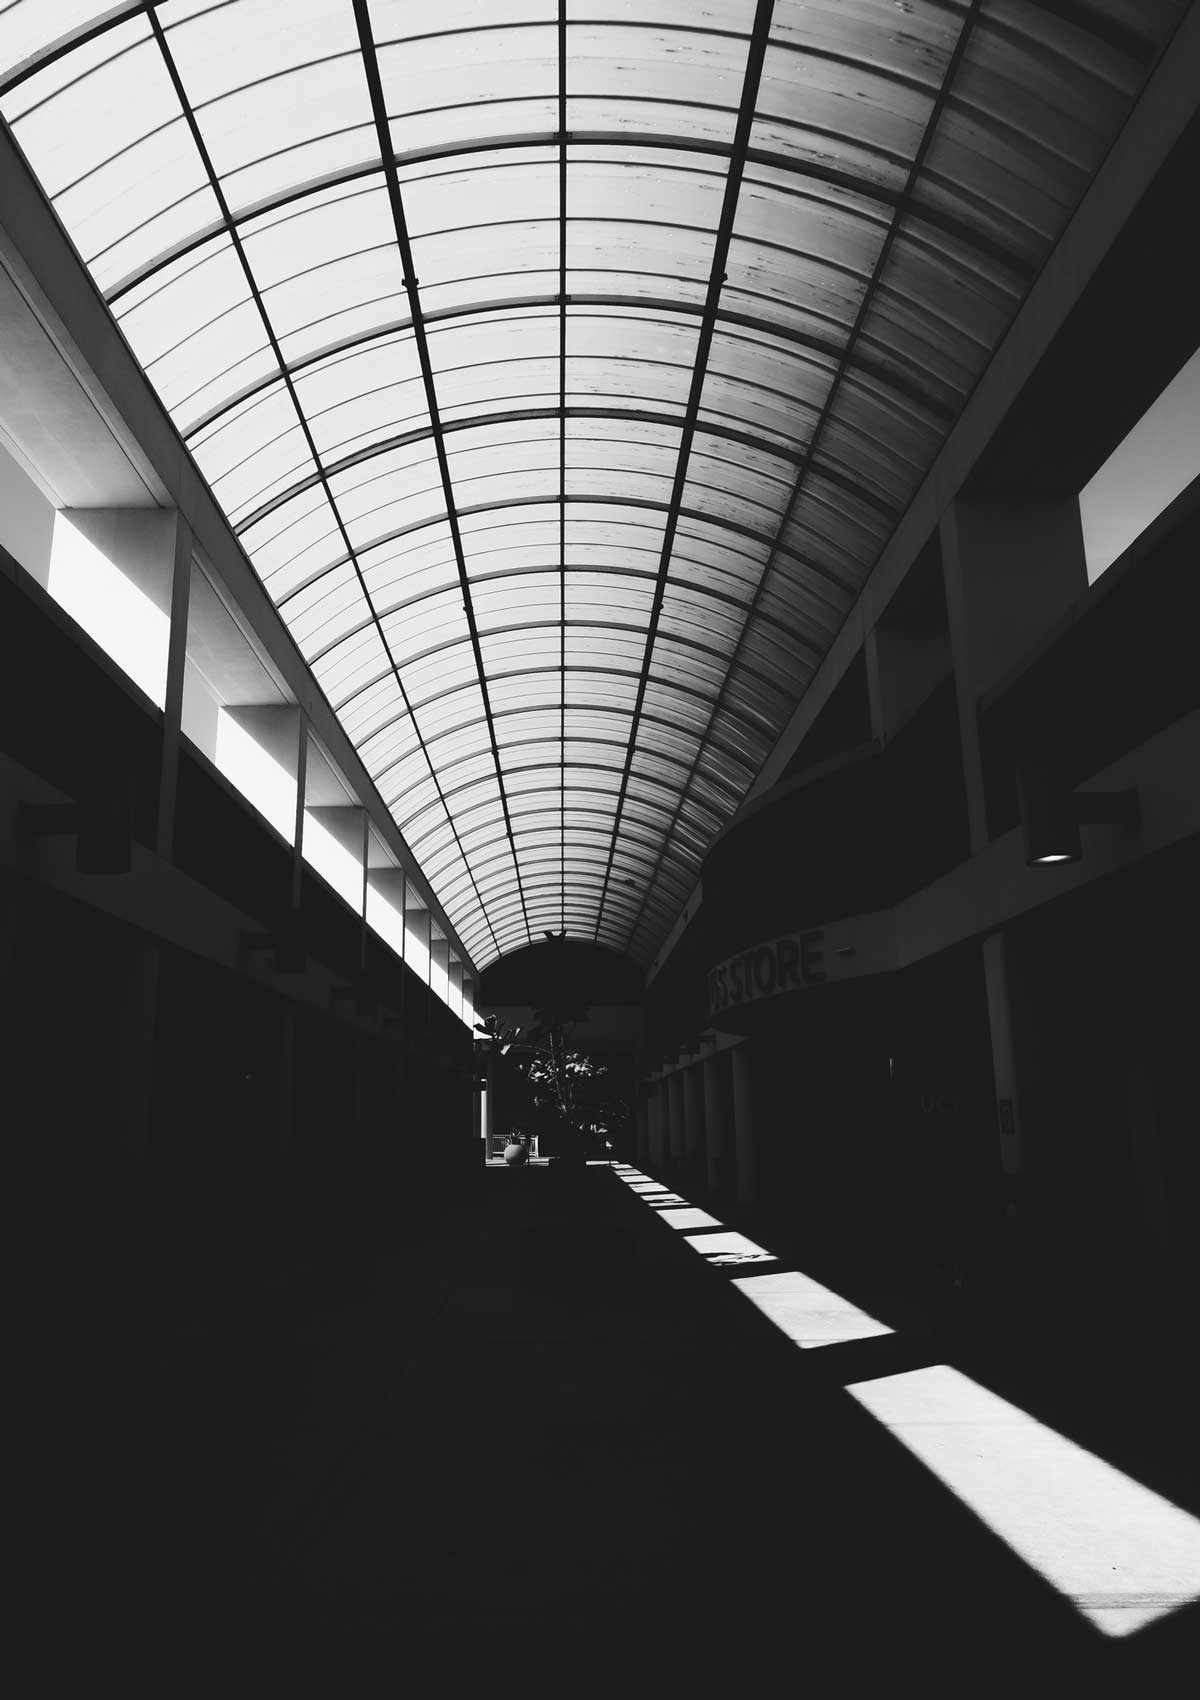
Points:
[[1121, 1553], [808, 1313], [689, 1217]]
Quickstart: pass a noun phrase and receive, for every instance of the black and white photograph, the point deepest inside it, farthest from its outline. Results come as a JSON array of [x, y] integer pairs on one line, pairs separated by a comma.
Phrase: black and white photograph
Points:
[[600, 845]]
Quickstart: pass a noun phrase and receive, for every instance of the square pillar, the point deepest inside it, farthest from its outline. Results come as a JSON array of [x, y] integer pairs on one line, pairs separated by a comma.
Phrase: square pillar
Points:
[[1011, 569], [715, 1129], [743, 1125]]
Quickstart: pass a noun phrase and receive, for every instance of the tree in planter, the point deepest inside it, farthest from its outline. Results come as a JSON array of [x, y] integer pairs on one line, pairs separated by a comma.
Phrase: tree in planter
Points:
[[573, 1105]]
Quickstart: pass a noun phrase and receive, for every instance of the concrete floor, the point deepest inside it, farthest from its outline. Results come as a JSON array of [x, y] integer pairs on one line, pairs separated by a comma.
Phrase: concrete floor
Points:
[[542, 1444]]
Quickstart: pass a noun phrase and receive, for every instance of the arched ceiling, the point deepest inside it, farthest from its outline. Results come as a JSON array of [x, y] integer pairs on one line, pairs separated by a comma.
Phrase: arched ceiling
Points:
[[565, 365]]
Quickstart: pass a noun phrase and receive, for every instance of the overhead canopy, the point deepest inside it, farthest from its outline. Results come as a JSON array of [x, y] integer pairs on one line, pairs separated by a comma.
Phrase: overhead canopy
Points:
[[564, 365]]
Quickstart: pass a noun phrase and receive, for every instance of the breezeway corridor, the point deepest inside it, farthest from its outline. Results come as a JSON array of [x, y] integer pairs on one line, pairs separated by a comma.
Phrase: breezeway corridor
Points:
[[549, 1442]]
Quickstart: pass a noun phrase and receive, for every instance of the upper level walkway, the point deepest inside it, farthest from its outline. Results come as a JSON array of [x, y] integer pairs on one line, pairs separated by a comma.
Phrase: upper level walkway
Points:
[[566, 1439]]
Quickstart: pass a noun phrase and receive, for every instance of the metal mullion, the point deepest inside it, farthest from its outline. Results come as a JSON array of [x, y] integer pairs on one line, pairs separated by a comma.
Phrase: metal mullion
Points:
[[860, 318], [637, 504], [683, 689], [709, 650], [831, 176], [201, 147], [631, 415], [387, 157]]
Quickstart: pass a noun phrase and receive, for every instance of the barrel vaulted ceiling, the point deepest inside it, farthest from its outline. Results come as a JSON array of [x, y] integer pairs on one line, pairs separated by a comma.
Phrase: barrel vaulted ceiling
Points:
[[564, 365]]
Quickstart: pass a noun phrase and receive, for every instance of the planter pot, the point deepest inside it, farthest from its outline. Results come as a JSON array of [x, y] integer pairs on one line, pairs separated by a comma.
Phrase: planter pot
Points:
[[515, 1154]]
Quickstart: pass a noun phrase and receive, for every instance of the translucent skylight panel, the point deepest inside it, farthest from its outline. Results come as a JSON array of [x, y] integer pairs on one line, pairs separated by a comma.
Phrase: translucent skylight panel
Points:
[[381, 705], [332, 605], [587, 685], [685, 82], [722, 559], [416, 564], [592, 722], [443, 670], [527, 646], [442, 713], [456, 85], [411, 802], [478, 456], [216, 362], [515, 599], [344, 669], [628, 359], [592, 645], [414, 628], [511, 191], [253, 453], [299, 61], [769, 409], [534, 685], [705, 494], [691, 616], [29, 27], [609, 596], [194, 291], [682, 699], [294, 543], [683, 193], [116, 95], [127, 214], [363, 395]]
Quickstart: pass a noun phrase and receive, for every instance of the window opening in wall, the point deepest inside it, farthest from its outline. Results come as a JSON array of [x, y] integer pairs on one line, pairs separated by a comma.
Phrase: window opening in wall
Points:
[[264, 783], [386, 920], [111, 609], [335, 864], [1144, 474]]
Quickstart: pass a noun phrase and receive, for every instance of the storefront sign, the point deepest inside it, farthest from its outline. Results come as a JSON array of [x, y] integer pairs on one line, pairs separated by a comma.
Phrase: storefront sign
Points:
[[782, 965]]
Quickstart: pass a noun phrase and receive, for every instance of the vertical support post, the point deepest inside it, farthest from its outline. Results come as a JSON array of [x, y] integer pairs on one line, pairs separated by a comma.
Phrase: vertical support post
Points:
[[489, 1102], [1009, 1108], [675, 1138], [298, 834], [168, 777], [656, 1117], [714, 1123], [743, 1125], [693, 1116], [1010, 568], [642, 1123]]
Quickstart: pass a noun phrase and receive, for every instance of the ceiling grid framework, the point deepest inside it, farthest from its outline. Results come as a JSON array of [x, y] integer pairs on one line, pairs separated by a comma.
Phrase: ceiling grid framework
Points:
[[564, 368]]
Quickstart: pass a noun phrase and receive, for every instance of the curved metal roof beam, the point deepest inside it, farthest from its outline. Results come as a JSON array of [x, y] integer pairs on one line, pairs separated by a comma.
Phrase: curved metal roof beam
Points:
[[726, 598], [696, 515], [690, 692], [522, 626]]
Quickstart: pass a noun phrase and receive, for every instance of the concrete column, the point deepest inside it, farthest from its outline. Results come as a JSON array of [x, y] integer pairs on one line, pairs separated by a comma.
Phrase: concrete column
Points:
[[478, 1129], [657, 1116], [693, 1116], [743, 1124], [675, 1131], [1005, 1034], [1011, 568], [904, 664], [714, 1122], [489, 1101], [168, 781], [642, 1122]]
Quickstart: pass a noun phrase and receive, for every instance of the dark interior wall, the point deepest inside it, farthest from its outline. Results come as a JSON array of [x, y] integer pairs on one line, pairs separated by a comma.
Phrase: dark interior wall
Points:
[[1113, 1178], [874, 1125], [99, 1016]]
